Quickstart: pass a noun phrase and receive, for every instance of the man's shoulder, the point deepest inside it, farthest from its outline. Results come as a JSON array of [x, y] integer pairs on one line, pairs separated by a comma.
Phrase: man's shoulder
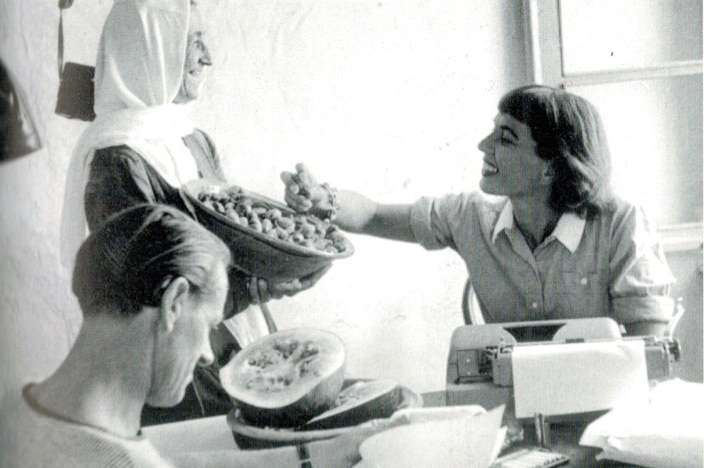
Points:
[[28, 437], [39, 439]]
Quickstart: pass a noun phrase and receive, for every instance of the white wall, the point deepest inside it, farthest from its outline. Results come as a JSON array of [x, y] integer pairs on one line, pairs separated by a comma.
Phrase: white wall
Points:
[[389, 97]]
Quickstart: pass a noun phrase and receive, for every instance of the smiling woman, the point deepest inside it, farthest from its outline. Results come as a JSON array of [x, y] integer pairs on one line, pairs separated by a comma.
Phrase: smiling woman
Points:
[[556, 243], [511, 166]]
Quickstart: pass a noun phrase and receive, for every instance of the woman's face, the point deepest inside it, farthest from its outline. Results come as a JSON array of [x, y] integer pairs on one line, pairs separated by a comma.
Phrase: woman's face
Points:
[[197, 58], [511, 165]]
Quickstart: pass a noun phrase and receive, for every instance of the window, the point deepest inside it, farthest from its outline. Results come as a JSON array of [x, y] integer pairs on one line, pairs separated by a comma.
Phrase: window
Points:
[[640, 63]]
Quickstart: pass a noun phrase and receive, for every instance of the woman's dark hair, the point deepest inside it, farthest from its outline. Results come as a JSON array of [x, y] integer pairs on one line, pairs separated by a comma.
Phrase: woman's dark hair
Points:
[[569, 133], [128, 262]]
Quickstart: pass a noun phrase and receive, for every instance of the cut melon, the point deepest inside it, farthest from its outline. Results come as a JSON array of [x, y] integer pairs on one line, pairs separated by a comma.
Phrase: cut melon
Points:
[[286, 378], [358, 403]]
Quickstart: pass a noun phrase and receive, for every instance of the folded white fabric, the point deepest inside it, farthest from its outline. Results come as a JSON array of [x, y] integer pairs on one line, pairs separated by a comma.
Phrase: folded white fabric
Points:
[[667, 431]]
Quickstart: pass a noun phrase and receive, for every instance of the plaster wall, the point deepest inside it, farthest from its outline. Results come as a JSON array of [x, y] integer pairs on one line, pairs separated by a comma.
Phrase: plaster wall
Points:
[[386, 97]]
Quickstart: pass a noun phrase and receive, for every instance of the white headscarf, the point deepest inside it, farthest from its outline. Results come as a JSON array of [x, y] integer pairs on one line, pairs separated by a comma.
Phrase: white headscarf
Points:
[[139, 70]]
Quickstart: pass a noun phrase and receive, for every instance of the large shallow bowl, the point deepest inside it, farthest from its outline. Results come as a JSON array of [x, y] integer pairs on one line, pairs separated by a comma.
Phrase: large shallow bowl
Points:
[[251, 437], [253, 252]]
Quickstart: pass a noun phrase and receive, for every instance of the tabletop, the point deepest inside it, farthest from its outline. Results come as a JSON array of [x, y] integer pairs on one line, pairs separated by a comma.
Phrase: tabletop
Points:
[[563, 436], [214, 434]]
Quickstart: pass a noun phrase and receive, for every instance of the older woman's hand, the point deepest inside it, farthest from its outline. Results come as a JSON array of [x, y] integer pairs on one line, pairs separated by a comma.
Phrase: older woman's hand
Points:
[[262, 290]]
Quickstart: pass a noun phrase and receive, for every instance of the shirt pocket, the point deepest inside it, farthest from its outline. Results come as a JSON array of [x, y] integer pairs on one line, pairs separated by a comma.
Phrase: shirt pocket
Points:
[[580, 296]]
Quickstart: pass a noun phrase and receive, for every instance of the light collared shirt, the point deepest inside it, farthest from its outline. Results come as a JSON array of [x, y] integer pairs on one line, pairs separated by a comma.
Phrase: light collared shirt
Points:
[[609, 265]]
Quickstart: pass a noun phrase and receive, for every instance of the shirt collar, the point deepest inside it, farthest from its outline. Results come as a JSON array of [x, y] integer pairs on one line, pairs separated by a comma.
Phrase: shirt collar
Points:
[[505, 220], [568, 231]]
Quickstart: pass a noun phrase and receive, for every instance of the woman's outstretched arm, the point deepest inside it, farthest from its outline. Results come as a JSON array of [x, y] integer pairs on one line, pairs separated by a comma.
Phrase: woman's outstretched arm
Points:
[[351, 211]]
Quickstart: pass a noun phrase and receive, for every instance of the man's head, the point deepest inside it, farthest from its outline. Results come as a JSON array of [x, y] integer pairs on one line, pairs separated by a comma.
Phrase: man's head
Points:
[[568, 133], [154, 259]]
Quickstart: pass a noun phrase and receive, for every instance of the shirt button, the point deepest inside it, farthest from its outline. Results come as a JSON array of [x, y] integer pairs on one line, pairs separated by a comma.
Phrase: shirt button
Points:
[[583, 281], [534, 305]]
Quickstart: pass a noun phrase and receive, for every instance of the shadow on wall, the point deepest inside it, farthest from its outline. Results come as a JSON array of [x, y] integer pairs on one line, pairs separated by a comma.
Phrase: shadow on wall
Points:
[[687, 268]]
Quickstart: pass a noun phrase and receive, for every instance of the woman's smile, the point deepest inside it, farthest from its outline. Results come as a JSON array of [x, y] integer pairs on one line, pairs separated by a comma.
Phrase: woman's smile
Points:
[[489, 169]]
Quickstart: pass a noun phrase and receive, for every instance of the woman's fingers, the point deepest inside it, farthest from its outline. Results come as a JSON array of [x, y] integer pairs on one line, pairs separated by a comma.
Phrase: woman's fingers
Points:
[[289, 180], [294, 194], [307, 182], [298, 202], [302, 182]]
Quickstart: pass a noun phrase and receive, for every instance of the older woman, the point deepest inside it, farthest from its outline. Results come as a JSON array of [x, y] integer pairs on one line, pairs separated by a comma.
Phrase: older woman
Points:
[[556, 244], [151, 283], [142, 147]]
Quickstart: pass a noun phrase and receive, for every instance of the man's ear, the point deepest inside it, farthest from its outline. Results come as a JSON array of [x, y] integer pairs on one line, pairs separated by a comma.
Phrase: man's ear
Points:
[[173, 302]]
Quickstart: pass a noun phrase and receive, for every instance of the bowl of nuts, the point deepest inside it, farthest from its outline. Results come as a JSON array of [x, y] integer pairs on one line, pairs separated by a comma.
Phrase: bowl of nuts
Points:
[[268, 239]]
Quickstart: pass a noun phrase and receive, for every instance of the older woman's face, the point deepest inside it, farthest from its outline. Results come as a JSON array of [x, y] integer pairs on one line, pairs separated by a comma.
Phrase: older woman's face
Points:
[[197, 58]]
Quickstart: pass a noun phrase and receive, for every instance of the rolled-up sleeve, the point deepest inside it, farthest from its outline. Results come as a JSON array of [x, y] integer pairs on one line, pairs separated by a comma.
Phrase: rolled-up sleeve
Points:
[[435, 221], [421, 224], [641, 276]]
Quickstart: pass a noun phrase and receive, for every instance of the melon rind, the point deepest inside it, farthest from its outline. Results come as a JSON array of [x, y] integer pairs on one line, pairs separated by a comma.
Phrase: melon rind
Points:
[[308, 394], [378, 400]]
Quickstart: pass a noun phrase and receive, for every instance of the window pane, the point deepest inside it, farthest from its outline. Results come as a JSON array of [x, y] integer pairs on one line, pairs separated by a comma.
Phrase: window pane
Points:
[[655, 133], [600, 35]]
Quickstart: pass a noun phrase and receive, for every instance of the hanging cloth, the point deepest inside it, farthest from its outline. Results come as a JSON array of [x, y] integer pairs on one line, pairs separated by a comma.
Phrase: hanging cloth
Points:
[[139, 70], [75, 96]]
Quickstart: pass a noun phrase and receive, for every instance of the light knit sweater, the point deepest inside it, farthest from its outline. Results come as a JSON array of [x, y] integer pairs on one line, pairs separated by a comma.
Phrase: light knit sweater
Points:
[[31, 437]]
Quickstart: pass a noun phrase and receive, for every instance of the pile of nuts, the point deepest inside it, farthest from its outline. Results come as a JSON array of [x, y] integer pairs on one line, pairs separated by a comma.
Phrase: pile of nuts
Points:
[[301, 229]]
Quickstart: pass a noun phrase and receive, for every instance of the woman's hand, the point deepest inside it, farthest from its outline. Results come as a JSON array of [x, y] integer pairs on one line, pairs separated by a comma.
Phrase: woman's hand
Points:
[[262, 290], [303, 192]]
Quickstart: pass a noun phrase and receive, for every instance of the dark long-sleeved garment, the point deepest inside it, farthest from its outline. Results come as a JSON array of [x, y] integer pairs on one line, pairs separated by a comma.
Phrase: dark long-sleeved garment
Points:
[[120, 178]]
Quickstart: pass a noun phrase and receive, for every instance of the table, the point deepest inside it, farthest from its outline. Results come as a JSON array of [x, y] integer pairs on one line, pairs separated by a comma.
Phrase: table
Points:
[[213, 434], [564, 436]]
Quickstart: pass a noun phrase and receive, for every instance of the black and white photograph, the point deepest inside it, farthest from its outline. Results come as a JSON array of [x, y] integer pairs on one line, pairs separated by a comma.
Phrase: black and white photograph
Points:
[[351, 233]]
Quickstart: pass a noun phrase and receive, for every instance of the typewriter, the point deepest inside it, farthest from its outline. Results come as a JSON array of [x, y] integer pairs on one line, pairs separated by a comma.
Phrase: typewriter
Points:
[[480, 368]]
